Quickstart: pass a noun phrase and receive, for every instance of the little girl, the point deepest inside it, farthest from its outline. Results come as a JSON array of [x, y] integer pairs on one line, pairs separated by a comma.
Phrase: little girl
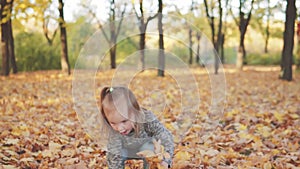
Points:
[[131, 129]]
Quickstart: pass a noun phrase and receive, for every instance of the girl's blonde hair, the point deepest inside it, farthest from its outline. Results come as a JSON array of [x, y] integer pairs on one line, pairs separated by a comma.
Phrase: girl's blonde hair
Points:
[[110, 94]]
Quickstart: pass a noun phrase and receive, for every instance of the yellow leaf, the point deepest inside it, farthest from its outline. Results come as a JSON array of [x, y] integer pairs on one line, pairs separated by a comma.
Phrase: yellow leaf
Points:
[[268, 165], [182, 155], [242, 127], [275, 151], [265, 131], [279, 116], [294, 116]]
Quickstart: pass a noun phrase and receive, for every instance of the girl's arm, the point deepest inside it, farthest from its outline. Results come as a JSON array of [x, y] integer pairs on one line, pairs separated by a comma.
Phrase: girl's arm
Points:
[[156, 129], [114, 156]]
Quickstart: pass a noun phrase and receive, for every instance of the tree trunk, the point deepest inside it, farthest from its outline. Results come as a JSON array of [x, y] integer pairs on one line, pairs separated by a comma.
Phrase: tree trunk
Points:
[[11, 48], [161, 59], [215, 40], [243, 24], [239, 59], [4, 50], [4, 38], [143, 22], [63, 38], [142, 36], [288, 45], [190, 37], [142, 49], [190, 46], [113, 48], [112, 53], [267, 28], [198, 48], [241, 50], [222, 48], [219, 38], [298, 46], [112, 26], [267, 42]]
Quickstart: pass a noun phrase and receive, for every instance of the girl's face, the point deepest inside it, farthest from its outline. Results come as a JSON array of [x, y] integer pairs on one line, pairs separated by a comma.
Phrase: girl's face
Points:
[[119, 122]]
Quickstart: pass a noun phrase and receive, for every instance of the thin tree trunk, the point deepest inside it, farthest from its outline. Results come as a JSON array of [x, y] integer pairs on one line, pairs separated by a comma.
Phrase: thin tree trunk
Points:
[[198, 48], [63, 38], [161, 59], [142, 36], [215, 40], [4, 39], [243, 24], [267, 28], [142, 27], [11, 48], [4, 50], [190, 46], [219, 38], [112, 52], [142, 49], [112, 35], [190, 37], [239, 59], [222, 48], [287, 52], [241, 50], [298, 45], [114, 32]]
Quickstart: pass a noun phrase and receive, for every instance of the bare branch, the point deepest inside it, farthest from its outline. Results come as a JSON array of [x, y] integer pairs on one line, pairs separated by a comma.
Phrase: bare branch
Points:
[[120, 23], [137, 15], [46, 32], [94, 16]]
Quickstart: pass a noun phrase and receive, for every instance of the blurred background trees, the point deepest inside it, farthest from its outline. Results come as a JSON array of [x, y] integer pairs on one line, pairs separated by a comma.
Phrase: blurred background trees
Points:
[[29, 31]]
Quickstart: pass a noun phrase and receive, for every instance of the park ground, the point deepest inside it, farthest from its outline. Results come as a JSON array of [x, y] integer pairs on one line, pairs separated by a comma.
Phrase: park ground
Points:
[[259, 128]]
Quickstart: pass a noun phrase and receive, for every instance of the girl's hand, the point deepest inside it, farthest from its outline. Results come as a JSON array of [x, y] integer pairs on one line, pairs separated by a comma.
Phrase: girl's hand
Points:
[[164, 164]]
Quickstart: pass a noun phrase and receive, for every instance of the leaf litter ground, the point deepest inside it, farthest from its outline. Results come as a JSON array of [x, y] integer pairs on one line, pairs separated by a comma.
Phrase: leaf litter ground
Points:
[[260, 126]]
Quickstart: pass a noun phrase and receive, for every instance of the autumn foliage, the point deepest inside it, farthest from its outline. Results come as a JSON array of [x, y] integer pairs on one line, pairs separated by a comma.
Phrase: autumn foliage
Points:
[[260, 126]]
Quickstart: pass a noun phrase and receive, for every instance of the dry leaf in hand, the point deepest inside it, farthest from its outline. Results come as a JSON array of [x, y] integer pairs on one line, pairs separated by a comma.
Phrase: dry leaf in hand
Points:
[[155, 158]]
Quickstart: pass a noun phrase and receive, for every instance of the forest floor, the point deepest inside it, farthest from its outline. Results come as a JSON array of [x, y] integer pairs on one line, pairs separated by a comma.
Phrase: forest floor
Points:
[[259, 127]]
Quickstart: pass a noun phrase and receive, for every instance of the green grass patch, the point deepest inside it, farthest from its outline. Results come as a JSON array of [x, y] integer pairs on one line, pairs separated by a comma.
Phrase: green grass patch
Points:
[[264, 58]]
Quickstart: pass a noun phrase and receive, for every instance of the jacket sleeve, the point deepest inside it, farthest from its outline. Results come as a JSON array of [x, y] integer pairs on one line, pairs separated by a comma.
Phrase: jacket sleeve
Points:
[[114, 156], [156, 129]]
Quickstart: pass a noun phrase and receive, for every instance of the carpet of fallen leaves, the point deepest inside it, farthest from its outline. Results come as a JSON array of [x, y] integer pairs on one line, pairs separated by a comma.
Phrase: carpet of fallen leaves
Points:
[[260, 127]]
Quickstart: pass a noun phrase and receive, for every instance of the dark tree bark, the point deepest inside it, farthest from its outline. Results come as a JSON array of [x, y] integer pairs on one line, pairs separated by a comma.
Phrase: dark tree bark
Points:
[[65, 66], [267, 27], [190, 46], [243, 23], [47, 32], [7, 40], [191, 37], [4, 39], [288, 44], [198, 36], [11, 48], [222, 41], [4, 50], [161, 59], [113, 31], [298, 44], [113, 38], [143, 27], [215, 40]]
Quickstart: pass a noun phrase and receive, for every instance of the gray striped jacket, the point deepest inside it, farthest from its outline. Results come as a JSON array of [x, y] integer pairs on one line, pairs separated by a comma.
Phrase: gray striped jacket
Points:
[[153, 128]]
